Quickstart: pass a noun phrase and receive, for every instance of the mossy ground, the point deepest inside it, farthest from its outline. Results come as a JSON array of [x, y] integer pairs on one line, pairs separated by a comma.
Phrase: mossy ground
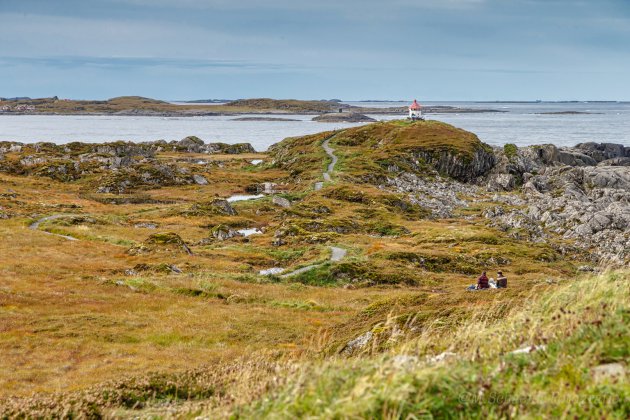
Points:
[[78, 313]]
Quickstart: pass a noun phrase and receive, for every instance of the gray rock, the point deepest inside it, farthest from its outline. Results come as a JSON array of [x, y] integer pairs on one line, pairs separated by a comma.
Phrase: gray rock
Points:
[[357, 344], [200, 180], [223, 233], [191, 144], [281, 201], [618, 161], [603, 151], [268, 187], [146, 225], [439, 195], [457, 166], [223, 206]]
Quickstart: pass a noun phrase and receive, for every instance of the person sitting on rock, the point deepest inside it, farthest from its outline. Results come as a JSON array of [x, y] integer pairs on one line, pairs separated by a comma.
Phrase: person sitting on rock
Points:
[[482, 282], [501, 280]]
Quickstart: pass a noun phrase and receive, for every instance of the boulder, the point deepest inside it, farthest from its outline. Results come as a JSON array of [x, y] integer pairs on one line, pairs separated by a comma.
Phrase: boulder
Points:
[[200, 180], [216, 206], [281, 201], [191, 144], [603, 151], [161, 242], [223, 232]]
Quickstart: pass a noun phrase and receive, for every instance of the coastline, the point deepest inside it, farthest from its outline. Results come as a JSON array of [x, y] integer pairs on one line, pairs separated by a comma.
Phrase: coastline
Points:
[[194, 113]]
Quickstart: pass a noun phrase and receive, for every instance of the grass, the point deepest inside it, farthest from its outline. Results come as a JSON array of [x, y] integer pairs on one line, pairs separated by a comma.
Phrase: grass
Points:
[[83, 322], [583, 324], [577, 325]]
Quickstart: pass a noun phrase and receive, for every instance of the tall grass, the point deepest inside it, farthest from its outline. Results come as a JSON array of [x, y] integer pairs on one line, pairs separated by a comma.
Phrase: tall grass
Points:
[[579, 326]]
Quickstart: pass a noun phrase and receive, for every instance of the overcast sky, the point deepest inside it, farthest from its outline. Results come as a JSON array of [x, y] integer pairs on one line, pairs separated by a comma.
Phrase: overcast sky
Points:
[[348, 49]]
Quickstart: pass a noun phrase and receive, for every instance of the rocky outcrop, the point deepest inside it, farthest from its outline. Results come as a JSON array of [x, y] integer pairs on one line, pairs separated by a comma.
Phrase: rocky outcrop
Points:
[[459, 166], [578, 196], [581, 194], [440, 196], [114, 168], [193, 144], [168, 242], [214, 207]]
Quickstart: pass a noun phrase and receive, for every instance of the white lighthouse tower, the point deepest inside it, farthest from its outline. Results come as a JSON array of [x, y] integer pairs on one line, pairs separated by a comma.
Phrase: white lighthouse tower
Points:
[[415, 111]]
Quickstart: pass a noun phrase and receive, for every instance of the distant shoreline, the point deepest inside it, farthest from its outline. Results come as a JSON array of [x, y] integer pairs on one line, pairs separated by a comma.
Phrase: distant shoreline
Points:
[[402, 111]]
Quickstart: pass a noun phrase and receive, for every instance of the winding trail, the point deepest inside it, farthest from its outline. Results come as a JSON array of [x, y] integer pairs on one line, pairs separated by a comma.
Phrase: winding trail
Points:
[[331, 166], [337, 254], [35, 225]]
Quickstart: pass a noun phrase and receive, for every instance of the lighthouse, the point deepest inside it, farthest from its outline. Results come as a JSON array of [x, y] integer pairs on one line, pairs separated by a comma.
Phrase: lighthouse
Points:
[[415, 111]]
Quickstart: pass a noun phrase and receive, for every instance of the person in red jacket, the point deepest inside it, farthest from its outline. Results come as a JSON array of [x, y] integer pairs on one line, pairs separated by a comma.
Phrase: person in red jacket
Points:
[[482, 282]]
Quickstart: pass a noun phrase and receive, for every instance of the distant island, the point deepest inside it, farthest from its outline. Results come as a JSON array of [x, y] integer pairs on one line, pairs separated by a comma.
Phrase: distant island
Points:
[[141, 106], [263, 119], [567, 113]]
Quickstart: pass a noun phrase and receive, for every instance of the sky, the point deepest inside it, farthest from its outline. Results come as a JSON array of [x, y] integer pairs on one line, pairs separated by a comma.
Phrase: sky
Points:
[[316, 49]]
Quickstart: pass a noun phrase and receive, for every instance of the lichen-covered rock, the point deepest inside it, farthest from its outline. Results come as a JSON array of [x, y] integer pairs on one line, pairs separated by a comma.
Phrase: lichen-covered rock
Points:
[[161, 242], [223, 232], [281, 201]]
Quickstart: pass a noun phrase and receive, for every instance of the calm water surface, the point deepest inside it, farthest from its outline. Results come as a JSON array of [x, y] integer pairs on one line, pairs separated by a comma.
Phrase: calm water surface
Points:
[[522, 124]]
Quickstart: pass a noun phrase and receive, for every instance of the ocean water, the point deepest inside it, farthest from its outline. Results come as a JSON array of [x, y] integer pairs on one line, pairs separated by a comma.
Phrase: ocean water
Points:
[[521, 124]]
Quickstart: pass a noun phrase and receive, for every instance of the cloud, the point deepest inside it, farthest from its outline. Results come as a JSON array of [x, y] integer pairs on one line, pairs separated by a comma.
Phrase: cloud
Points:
[[74, 62], [45, 35]]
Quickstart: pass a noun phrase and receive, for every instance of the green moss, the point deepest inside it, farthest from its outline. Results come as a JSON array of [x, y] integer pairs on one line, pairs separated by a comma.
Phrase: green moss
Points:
[[510, 150]]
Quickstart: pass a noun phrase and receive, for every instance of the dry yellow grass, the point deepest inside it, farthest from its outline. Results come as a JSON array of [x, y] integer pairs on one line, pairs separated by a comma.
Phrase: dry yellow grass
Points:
[[73, 315]]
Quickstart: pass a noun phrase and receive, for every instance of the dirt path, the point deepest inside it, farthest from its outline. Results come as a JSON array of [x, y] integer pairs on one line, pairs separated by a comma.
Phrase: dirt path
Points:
[[35, 225], [330, 152], [337, 254], [331, 166]]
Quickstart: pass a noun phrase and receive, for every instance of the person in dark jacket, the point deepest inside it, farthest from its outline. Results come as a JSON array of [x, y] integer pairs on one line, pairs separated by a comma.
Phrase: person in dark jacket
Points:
[[482, 282], [501, 280]]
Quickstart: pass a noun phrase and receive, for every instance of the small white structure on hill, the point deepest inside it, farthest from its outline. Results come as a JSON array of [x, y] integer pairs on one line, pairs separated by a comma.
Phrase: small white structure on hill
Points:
[[415, 111]]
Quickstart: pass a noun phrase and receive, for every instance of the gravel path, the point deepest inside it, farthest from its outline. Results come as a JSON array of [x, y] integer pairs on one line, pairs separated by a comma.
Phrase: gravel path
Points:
[[35, 225], [331, 166], [337, 254], [330, 152]]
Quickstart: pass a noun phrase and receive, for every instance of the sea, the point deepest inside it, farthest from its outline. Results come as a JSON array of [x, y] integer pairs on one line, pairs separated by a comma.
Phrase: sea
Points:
[[520, 123]]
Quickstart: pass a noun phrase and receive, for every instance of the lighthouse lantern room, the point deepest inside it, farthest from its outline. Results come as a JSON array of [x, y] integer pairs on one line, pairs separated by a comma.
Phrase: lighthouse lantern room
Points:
[[415, 111]]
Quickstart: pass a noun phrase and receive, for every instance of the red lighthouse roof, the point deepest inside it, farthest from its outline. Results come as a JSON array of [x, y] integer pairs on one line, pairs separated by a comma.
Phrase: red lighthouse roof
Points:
[[415, 106]]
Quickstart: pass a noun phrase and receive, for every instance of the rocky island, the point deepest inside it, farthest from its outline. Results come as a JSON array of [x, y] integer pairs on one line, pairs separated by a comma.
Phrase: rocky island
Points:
[[167, 278], [351, 117]]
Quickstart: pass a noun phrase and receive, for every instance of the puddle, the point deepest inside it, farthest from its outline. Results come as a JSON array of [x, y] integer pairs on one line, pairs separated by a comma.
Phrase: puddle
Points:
[[271, 271], [248, 232], [243, 197], [256, 161]]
